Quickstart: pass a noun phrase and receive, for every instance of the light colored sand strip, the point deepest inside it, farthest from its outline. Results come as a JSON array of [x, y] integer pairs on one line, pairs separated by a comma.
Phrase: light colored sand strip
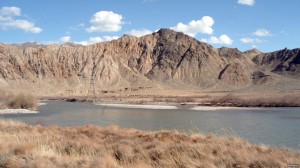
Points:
[[208, 108], [17, 111], [41, 103], [141, 106]]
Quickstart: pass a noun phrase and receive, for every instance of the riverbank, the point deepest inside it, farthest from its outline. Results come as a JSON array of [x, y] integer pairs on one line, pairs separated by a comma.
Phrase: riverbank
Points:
[[213, 99], [139, 106], [22, 145], [172, 106], [17, 111], [6, 110], [18, 103]]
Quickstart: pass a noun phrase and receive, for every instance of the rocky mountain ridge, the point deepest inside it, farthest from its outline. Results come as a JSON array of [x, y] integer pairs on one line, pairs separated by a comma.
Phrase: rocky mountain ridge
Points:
[[164, 59]]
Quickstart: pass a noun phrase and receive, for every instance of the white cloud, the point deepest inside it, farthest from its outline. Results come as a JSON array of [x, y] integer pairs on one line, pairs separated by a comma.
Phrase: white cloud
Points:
[[65, 39], [246, 2], [21, 24], [7, 20], [10, 11], [139, 33], [109, 38], [249, 40], [223, 39], [105, 21], [93, 40], [204, 25], [262, 33]]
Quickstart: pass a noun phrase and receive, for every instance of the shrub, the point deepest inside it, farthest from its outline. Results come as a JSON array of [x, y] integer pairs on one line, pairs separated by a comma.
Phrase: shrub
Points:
[[22, 101]]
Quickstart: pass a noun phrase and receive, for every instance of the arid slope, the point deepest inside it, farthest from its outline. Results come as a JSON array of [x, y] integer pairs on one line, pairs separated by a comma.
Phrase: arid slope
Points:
[[164, 60]]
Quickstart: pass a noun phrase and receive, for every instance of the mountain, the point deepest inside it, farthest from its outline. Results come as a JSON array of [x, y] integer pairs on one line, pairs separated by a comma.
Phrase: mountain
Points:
[[162, 60], [282, 62]]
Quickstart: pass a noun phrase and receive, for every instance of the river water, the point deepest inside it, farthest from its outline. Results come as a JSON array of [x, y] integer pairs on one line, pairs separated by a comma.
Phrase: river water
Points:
[[271, 126]]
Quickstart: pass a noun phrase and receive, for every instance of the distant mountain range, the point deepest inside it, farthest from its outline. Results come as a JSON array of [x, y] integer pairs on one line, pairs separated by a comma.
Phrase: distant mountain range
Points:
[[164, 59]]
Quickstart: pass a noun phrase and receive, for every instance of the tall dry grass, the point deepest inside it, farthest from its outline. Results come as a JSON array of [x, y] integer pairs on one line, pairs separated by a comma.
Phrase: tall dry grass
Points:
[[91, 146], [240, 101], [18, 101]]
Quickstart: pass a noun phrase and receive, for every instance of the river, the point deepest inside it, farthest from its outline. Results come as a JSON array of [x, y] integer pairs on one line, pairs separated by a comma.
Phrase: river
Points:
[[271, 126]]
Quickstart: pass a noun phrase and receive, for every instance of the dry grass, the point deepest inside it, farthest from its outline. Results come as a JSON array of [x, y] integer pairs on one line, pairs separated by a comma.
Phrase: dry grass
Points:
[[18, 101], [180, 99], [175, 100], [239, 101], [91, 146]]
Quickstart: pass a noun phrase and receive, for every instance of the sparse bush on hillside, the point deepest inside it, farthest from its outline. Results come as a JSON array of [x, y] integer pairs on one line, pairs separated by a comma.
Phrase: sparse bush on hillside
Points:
[[22, 101]]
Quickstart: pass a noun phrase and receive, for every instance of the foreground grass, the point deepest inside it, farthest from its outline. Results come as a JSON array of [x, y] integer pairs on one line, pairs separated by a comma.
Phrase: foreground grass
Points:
[[22, 145]]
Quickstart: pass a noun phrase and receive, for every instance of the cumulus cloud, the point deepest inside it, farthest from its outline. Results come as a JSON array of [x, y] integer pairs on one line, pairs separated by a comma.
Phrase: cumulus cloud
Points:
[[65, 39], [93, 40], [249, 40], [21, 24], [223, 39], [246, 2], [262, 33], [8, 20], [139, 33], [204, 26], [105, 21], [10, 11]]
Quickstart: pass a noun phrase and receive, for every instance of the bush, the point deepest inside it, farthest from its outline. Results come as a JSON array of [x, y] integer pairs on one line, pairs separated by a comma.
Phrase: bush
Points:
[[22, 101]]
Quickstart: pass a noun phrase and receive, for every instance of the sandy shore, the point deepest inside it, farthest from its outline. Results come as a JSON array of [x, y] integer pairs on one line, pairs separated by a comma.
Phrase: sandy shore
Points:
[[212, 108], [163, 107], [140, 106], [17, 111]]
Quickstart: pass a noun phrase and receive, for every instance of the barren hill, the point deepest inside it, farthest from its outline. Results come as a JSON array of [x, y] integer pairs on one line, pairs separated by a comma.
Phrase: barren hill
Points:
[[163, 60]]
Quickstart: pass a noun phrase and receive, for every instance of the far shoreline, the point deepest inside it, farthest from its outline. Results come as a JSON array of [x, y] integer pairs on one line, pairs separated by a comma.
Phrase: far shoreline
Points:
[[109, 101]]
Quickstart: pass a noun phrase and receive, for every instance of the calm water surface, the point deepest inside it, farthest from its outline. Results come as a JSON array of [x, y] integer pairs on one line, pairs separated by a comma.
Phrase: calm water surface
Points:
[[271, 126]]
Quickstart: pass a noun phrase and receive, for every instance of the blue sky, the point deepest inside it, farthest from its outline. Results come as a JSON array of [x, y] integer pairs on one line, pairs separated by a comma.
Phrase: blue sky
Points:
[[243, 24]]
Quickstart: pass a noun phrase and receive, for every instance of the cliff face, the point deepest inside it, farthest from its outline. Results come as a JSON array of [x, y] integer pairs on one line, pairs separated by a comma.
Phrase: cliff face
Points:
[[165, 58]]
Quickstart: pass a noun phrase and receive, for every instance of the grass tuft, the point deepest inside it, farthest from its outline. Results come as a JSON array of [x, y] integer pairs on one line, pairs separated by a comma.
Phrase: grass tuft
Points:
[[22, 101]]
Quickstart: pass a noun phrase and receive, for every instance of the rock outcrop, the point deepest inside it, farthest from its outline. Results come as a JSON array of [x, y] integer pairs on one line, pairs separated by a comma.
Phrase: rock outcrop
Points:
[[282, 61]]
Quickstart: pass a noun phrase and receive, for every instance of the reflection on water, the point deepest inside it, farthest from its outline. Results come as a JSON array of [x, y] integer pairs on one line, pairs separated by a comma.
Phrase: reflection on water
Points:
[[272, 126]]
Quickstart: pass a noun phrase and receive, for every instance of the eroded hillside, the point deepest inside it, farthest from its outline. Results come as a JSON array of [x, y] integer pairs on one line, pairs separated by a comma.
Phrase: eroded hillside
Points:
[[162, 60]]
